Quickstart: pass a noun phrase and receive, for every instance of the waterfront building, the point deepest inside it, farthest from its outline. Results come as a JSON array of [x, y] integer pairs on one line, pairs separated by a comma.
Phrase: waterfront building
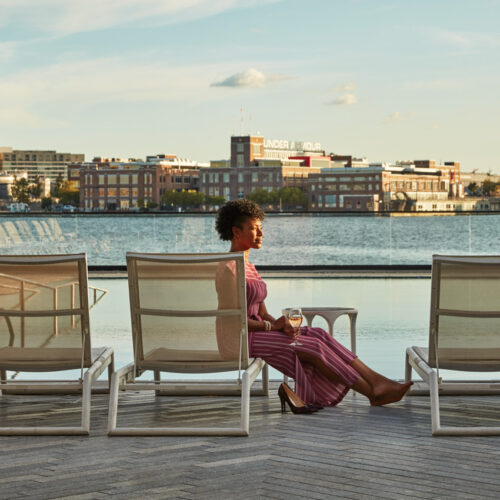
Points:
[[259, 163], [47, 164], [383, 187], [107, 184]]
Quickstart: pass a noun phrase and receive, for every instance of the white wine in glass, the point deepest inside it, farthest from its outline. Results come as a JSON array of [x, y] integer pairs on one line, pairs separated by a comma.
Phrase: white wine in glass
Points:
[[295, 318]]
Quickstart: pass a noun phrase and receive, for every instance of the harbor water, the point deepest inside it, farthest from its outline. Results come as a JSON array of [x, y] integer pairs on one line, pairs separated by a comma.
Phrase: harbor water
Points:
[[288, 239]]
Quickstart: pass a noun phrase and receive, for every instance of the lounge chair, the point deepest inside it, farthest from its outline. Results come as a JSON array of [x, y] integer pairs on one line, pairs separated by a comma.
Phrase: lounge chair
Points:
[[464, 333], [188, 316], [44, 327]]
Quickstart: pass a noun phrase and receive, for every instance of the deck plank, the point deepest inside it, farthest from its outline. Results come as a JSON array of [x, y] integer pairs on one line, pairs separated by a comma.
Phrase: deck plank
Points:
[[352, 451]]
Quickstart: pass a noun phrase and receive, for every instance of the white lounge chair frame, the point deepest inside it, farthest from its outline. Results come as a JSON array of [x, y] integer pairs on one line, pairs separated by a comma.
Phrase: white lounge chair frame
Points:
[[95, 360], [426, 361], [124, 378]]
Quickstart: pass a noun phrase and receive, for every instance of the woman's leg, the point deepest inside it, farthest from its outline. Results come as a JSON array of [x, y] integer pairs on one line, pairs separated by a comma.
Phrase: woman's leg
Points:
[[360, 385], [385, 390], [377, 388]]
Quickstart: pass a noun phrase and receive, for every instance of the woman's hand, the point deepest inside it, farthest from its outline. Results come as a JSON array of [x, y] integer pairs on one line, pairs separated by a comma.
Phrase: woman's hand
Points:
[[283, 325]]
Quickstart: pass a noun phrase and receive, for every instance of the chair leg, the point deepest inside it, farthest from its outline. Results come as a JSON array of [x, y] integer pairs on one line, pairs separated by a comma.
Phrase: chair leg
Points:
[[434, 399], [407, 368], [157, 377], [111, 369], [113, 401], [265, 380], [86, 401], [245, 404]]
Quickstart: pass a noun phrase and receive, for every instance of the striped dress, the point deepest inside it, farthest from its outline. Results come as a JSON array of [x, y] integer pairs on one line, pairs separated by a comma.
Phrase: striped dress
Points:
[[276, 349]]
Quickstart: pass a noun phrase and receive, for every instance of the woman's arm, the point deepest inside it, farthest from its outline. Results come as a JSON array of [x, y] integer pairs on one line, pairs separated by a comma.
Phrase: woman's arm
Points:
[[277, 325], [264, 314]]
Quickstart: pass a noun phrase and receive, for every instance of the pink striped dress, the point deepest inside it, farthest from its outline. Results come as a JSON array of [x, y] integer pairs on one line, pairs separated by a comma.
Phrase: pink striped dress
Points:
[[274, 347]]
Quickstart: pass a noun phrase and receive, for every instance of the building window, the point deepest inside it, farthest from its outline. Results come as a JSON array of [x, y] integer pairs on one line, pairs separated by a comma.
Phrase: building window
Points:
[[255, 177], [240, 147], [331, 200], [240, 162], [225, 178], [240, 178]]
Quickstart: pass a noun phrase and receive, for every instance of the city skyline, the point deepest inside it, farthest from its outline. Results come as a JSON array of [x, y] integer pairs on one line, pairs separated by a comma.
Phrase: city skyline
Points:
[[387, 80]]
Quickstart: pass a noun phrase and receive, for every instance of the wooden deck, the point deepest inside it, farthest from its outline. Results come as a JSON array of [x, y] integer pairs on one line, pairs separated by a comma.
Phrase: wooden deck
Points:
[[352, 451]]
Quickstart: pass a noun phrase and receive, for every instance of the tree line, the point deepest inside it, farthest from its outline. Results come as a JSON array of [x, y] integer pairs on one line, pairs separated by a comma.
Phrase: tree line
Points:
[[284, 198], [189, 199], [487, 188], [64, 191]]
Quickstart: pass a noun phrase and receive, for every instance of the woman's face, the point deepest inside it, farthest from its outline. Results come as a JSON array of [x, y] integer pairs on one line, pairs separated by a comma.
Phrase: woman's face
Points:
[[249, 235]]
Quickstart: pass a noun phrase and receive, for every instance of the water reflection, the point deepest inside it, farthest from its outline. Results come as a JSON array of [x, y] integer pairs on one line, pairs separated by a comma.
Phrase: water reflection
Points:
[[308, 239]]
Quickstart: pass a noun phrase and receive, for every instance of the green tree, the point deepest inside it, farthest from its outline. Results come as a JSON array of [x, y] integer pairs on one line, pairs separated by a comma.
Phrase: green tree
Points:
[[20, 190], [151, 205], [260, 196], [488, 187], [46, 203], [183, 199], [58, 183], [69, 194], [292, 197], [215, 200], [35, 190], [473, 187]]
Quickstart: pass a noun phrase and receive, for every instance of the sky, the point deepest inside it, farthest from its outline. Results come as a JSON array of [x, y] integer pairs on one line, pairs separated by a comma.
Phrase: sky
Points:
[[383, 79]]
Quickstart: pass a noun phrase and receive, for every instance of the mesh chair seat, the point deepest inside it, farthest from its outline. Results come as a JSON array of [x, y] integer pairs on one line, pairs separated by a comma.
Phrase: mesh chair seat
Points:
[[45, 359], [187, 360], [476, 360]]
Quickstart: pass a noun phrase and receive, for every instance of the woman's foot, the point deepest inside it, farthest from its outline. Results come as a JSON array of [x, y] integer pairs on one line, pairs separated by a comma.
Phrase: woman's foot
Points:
[[389, 392]]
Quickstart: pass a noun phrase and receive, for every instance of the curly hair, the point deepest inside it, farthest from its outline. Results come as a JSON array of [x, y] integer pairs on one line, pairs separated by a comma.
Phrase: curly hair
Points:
[[234, 213]]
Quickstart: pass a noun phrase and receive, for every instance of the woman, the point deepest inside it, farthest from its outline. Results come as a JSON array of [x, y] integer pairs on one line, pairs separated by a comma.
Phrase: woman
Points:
[[322, 368]]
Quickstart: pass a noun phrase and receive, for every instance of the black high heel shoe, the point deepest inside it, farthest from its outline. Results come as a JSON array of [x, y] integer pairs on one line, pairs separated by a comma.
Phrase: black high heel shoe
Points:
[[294, 402], [309, 405]]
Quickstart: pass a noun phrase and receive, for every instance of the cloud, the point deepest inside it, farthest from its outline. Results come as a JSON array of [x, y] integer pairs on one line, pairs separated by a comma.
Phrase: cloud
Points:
[[64, 17], [344, 100], [441, 84], [347, 87], [398, 116], [40, 95], [7, 50], [249, 78], [393, 117], [463, 40]]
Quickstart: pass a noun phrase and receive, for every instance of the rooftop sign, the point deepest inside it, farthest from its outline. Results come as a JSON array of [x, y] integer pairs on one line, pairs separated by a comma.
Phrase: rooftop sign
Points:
[[292, 145]]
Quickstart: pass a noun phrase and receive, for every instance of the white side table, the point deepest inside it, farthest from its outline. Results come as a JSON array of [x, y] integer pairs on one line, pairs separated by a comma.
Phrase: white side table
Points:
[[330, 314]]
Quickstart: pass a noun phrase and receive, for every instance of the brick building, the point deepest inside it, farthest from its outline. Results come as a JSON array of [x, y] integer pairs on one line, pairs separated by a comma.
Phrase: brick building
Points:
[[383, 187], [106, 184], [258, 163]]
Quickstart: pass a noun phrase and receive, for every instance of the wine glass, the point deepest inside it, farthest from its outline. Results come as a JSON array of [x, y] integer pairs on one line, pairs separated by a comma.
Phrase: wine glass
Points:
[[295, 317]]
